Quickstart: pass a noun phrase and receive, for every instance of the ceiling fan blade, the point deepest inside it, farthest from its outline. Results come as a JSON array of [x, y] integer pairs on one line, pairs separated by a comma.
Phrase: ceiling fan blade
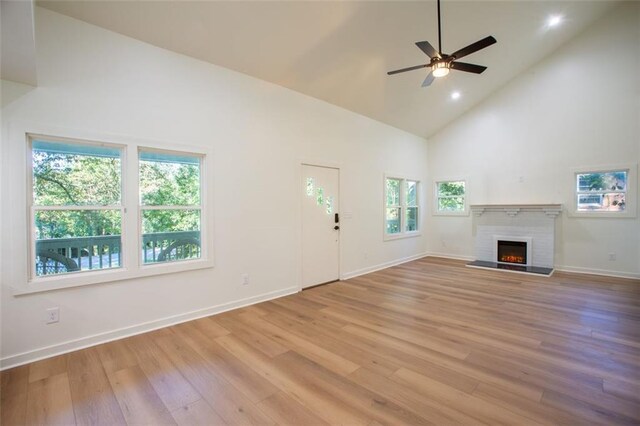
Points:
[[417, 67], [462, 66], [427, 81], [428, 49], [474, 47]]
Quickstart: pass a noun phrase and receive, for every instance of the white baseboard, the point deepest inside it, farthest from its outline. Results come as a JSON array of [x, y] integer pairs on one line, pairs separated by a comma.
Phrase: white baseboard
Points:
[[451, 256], [96, 339], [603, 272], [380, 266]]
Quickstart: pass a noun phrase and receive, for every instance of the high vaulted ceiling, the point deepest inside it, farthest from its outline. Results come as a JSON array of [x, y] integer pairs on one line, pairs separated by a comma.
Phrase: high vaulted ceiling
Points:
[[340, 51]]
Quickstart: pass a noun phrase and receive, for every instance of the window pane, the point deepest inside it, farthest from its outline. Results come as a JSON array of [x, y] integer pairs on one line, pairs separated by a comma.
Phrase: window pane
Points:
[[309, 186], [393, 220], [170, 235], [412, 188], [320, 197], [601, 202], [169, 180], [412, 219], [77, 240], [393, 192], [605, 181], [75, 174], [451, 188], [451, 204]]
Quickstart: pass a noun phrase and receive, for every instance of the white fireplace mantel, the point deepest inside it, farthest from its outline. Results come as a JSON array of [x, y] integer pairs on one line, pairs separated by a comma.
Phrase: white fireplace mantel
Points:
[[551, 210]]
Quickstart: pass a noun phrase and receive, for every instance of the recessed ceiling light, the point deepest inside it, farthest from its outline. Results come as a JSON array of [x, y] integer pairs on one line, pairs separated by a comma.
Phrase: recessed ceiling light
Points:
[[554, 21], [455, 95]]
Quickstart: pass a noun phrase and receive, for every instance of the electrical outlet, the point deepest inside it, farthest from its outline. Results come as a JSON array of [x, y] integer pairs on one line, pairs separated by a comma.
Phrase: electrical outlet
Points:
[[245, 279], [612, 256], [53, 315]]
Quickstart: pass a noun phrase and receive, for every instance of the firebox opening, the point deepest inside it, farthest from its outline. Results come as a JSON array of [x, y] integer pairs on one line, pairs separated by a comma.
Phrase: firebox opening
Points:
[[512, 252]]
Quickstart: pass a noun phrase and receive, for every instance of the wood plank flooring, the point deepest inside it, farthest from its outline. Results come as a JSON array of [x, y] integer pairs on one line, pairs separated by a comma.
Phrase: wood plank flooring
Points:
[[427, 342]]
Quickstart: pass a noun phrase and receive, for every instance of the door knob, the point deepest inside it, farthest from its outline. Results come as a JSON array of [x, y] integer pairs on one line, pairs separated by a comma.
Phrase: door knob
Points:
[[336, 227]]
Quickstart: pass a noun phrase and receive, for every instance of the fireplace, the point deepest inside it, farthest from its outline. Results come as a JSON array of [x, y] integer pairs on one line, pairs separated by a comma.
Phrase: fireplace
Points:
[[512, 252]]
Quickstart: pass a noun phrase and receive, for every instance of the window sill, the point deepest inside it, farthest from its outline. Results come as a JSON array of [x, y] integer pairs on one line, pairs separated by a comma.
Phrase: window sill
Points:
[[601, 215], [81, 279], [391, 237]]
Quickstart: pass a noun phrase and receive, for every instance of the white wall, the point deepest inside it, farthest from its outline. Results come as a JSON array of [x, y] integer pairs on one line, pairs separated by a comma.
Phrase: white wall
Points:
[[92, 79], [579, 107]]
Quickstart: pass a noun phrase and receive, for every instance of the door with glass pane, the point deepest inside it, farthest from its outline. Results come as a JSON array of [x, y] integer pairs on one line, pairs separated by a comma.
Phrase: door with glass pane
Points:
[[320, 225]]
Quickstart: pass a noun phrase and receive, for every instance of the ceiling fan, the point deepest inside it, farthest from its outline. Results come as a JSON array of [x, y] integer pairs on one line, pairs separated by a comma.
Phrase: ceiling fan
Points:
[[441, 63]]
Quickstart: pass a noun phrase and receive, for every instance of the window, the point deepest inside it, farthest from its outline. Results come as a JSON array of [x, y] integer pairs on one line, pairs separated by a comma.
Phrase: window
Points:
[[86, 224], [607, 191], [170, 206], [450, 197], [77, 207], [401, 217], [601, 191]]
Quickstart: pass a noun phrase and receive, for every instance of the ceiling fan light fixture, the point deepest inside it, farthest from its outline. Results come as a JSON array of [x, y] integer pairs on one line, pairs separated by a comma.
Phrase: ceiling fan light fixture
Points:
[[440, 69]]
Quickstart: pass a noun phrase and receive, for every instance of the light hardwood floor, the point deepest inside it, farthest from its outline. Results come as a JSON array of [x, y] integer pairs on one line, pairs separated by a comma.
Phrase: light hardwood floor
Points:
[[427, 342]]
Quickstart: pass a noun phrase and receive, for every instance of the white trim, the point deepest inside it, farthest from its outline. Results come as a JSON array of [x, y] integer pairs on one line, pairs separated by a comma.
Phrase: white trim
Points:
[[630, 211], [465, 211], [380, 266], [601, 272], [451, 256], [96, 339], [403, 207], [131, 266]]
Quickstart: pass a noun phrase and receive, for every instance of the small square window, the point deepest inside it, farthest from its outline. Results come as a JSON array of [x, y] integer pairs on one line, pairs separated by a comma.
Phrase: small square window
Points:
[[451, 197]]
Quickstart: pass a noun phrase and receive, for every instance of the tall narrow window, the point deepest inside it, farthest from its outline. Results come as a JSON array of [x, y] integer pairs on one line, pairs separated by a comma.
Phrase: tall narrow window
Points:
[[411, 189], [171, 206], [394, 209], [77, 209], [401, 215]]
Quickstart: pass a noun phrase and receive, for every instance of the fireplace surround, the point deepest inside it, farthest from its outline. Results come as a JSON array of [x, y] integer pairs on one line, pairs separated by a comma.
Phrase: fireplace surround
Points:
[[527, 233]]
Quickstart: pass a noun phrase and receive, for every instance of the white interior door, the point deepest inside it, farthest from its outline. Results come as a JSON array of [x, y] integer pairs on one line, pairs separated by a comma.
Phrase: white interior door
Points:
[[320, 225]]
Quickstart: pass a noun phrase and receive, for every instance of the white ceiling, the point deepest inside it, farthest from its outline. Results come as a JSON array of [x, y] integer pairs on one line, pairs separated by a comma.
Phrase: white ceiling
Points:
[[340, 51]]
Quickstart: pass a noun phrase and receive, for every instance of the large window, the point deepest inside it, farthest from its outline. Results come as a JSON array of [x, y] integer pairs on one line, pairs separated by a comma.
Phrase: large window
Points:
[[401, 215], [170, 206], [77, 207], [450, 197], [604, 191], [601, 191], [85, 218]]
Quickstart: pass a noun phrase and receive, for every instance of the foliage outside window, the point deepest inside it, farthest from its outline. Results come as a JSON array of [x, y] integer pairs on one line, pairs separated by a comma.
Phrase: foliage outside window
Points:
[[450, 196], [79, 218], [401, 206], [77, 208], [601, 191], [170, 206]]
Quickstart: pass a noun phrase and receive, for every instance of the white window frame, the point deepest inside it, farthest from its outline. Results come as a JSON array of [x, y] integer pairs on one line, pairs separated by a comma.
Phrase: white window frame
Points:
[[630, 210], [131, 226], [143, 207], [436, 199], [403, 208]]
